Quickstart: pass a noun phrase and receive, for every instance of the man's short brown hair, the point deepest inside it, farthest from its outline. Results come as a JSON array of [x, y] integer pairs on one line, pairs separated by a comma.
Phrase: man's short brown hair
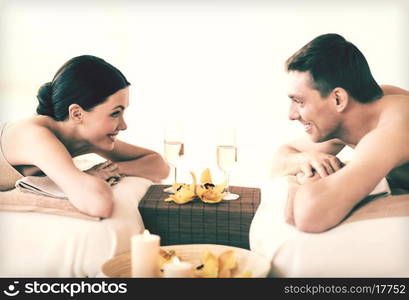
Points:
[[334, 62]]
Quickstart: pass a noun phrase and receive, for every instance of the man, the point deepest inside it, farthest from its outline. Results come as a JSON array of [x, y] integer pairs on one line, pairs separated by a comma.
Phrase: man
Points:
[[334, 96]]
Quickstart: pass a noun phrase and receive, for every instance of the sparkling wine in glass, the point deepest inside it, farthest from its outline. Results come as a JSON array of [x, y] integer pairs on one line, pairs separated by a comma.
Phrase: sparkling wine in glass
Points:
[[227, 159], [174, 150]]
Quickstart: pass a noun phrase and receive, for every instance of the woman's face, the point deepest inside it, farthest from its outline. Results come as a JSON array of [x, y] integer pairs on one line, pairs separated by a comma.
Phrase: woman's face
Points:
[[101, 125]]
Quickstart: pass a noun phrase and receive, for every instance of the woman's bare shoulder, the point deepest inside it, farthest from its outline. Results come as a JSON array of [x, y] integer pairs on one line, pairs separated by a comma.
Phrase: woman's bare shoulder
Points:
[[30, 122], [28, 129], [23, 135]]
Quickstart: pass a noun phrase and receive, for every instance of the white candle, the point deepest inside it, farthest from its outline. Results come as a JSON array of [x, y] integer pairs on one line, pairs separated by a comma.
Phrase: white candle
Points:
[[145, 255], [177, 269]]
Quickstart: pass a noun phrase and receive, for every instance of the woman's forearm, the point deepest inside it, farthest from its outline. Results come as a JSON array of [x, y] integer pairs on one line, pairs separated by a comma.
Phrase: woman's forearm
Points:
[[151, 166], [90, 195]]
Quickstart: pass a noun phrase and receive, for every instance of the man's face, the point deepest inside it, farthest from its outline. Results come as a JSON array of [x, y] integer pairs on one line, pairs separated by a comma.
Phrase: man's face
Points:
[[317, 114]]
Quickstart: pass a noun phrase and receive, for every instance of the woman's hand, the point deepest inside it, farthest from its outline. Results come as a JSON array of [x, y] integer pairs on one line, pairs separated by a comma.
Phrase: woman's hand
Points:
[[107, 171]]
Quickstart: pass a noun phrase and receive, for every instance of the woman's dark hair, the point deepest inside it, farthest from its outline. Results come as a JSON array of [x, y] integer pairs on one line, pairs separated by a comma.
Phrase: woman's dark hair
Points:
[[334, 62], [85, 80]]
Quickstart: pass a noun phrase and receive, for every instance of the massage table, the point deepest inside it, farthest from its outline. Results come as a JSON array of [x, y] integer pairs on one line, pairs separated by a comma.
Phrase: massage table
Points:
[[36, 244], [366, 246]]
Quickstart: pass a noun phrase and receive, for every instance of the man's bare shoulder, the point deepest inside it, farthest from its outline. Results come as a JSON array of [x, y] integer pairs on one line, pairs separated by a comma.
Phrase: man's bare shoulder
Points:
[[394, 109], [393, 90], [394, 112], [389, 138]]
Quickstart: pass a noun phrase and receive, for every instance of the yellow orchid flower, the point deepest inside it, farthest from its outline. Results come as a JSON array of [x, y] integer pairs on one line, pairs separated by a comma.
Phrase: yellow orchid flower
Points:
[[183, 192], [207, 191]]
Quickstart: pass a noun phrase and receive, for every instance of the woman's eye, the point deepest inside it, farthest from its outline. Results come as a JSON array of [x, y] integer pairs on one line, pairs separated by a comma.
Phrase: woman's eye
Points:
[[115, 114]]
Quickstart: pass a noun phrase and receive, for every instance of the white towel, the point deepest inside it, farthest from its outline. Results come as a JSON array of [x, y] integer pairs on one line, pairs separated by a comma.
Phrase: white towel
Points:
[[43, 185], [269, 230], [40, 185], [381, 188]]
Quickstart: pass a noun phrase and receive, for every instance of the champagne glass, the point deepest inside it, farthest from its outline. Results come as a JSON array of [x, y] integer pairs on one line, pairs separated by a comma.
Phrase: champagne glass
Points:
[[227, 158], [174, 149]]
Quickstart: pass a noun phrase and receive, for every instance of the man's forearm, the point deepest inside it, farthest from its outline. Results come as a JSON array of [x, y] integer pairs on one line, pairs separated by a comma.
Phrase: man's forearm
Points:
[[286, 161], [293, 187], [319, 204], [301, 208]]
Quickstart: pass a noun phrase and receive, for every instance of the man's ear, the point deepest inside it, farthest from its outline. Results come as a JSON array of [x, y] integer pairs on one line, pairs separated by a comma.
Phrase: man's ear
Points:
[[76, 113], [340, 98]]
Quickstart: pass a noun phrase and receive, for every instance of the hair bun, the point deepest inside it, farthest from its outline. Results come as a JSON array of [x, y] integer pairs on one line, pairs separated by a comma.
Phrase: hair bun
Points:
[[45, 103]]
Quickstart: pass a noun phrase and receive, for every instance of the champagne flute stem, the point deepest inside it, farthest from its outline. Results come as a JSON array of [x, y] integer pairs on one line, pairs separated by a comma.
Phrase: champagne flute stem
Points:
[[227, 175], [175, 174]]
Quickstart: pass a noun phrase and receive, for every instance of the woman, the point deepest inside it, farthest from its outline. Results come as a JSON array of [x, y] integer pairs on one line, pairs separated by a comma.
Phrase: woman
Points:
[[81, 111]]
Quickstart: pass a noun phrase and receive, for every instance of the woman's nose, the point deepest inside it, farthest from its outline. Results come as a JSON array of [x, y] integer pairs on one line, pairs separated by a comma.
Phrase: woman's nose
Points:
[[122, 125]]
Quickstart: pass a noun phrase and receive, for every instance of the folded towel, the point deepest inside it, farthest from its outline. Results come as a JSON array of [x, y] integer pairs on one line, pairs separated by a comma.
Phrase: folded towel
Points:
[[16, 200], [8, 174], [43, 185], [41, 194], [40, 185], [382, 188], [384, 208], [379, 207]]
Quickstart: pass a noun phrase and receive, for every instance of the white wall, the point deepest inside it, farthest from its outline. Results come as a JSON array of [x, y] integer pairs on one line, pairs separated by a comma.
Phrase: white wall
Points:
[[206, 63]]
